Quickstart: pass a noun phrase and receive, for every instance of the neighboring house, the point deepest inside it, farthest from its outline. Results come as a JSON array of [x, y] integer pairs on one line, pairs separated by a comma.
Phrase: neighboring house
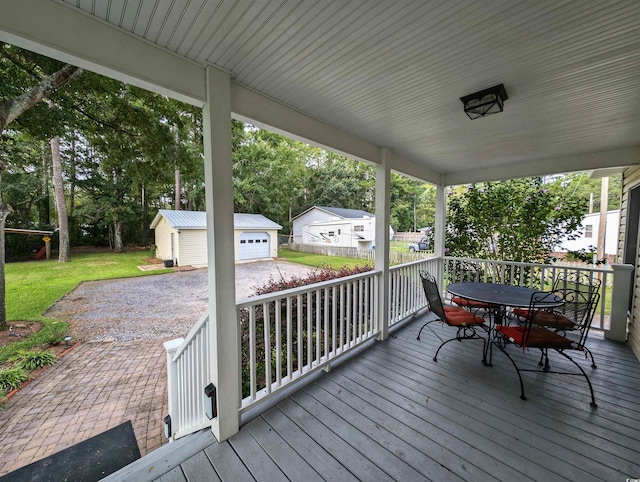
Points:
[[181, 236], [588, 240], [349, 228]]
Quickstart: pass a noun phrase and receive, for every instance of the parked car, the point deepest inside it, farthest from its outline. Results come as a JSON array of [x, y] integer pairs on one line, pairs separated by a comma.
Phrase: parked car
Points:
[[422, 245]]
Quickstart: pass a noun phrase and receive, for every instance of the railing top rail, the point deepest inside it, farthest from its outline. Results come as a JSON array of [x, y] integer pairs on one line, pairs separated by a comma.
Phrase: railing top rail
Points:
[[245, 303], [539, 265], [411, 263], [192, 333]]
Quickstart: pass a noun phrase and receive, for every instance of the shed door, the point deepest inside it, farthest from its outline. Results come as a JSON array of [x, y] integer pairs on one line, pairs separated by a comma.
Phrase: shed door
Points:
[[254, 245]]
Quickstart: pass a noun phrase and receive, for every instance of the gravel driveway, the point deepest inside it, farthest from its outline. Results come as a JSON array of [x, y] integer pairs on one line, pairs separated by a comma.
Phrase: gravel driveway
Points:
[[158, 307]]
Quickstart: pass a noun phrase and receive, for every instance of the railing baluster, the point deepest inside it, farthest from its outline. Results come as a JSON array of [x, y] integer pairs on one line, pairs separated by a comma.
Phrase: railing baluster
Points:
[[289, 340], [327, 321], [318, 326], [309, 310], [334, 320], [252, 351], [267, 346]]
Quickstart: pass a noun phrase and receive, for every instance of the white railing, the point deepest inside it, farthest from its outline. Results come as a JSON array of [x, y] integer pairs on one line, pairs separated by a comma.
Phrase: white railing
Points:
[[188, 374], [406, 295], [532, 275], [288, 335], [292, 333]]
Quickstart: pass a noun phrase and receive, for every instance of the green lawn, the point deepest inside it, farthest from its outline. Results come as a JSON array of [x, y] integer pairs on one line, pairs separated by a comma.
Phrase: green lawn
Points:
[[33, 286], [318, 260]]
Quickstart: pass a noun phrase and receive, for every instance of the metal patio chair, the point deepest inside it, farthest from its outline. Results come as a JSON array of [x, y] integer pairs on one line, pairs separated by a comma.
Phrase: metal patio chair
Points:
[[572, 314], [465, 322], [532, 334]]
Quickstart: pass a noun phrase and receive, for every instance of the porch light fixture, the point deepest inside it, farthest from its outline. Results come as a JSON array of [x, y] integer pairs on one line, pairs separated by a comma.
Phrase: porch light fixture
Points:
[[486, 102], [167, 426], [210, 401]]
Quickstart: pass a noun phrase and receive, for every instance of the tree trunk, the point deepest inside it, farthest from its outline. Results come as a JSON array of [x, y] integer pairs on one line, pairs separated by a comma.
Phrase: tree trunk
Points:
[[117, 236], [176, 202], [5, 210], [61, 206], [44, 216]]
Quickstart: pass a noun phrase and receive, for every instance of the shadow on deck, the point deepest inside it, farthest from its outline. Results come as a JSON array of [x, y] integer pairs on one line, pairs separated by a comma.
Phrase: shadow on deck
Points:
[[393, 414]]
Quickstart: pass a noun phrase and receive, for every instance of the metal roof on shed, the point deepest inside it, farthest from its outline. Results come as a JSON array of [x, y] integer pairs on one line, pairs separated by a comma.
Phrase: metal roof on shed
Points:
[[198, 220]]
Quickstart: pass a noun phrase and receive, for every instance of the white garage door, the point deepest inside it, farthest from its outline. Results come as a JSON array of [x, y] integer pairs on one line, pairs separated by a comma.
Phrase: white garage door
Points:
[[254, 245]]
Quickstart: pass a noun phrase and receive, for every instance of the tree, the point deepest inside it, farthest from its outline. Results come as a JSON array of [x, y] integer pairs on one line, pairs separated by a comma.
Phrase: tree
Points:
[[14, 102], [61, 205], [516, 220]]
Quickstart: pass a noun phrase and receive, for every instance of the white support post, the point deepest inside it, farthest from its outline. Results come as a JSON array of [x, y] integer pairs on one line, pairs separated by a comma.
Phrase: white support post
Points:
[[620, 301], [224, 338], [383, 219], [440, 229], [171, 347]]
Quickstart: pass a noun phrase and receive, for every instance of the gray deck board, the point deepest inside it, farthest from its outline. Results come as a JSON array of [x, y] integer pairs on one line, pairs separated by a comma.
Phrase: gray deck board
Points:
[[305, 445], [289, 461], [260, 465], [197, 465], [174, 475], [392, 413], [228, 466]]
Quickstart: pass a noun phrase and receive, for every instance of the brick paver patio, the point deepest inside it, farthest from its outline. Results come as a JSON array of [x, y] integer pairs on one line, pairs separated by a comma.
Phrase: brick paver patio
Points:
[[93, 388]]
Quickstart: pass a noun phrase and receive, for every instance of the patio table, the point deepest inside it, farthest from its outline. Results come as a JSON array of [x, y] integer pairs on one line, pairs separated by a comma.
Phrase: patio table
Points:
[[498, 297]]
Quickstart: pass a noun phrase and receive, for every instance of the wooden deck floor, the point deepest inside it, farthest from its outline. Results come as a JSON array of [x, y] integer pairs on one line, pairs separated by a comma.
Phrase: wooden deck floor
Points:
[[393, 414]]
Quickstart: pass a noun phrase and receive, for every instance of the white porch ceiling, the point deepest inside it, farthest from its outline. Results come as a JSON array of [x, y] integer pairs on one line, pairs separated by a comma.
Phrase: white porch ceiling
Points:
[[391, 72]]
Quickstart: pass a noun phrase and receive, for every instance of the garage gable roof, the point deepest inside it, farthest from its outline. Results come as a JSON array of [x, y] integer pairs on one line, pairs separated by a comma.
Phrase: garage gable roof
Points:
[[340, 212], [198, 220], [253, 221]]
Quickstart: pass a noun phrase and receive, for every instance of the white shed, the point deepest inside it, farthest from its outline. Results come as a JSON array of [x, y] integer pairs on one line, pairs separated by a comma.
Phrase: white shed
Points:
[[352, 228], [181, 236]]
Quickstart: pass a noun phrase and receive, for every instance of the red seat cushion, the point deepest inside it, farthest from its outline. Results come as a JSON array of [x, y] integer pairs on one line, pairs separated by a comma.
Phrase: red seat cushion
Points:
[[454, 309], [538, 337], [547, 318], [553, 320], [521, 312], [470, 303], [463, 319]]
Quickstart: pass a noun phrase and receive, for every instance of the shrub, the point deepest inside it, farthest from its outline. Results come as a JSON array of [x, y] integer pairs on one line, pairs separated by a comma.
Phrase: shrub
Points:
[[32, 360], [12, 378]]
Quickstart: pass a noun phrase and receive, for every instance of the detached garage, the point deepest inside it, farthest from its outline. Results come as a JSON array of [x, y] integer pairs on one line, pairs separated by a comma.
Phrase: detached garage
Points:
[[181, 236]]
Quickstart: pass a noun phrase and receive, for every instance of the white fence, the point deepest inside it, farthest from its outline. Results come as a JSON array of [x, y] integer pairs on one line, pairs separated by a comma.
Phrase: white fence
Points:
[[369, 255]]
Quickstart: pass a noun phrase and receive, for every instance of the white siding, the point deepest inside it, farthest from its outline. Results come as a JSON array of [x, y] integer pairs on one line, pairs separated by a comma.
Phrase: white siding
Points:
[[192, 248], [631, 179], [308, 218], [586, 243], [163, 239]]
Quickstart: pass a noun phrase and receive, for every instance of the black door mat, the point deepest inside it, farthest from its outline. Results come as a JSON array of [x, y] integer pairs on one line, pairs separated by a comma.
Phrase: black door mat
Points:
[[90, 460]]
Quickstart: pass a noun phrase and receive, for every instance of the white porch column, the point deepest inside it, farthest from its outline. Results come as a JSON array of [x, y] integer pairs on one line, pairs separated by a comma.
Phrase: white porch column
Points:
[[621, 293], [440, 228], [383, 218], [225, 354]]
